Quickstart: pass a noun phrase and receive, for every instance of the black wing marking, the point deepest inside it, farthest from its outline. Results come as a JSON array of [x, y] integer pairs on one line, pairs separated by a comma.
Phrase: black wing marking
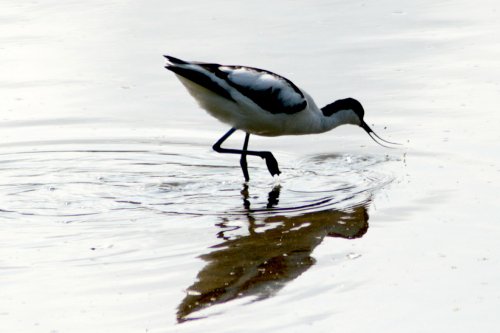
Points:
[[268, 90], [201, 79]]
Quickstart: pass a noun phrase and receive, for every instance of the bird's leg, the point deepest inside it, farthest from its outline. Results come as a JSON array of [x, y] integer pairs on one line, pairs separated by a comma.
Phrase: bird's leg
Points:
[[272, 164], [243, 160], [217, 146]]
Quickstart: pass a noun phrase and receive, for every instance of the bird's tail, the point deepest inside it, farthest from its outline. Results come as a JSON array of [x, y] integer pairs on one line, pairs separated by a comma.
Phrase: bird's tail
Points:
[[175, 61]]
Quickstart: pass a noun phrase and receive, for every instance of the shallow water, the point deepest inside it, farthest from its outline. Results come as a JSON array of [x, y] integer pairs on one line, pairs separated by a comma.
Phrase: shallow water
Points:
[[116, 215]]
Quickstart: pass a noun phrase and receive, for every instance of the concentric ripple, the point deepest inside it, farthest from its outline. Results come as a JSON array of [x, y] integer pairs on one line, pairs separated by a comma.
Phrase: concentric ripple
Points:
[[76, 182]]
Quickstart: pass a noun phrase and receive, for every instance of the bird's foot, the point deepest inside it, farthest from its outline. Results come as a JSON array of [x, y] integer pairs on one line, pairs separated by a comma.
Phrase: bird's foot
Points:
[[272, 164]]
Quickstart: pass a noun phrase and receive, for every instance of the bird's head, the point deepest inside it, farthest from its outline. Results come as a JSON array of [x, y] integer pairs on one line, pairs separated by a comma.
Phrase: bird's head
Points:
[[350, 111]]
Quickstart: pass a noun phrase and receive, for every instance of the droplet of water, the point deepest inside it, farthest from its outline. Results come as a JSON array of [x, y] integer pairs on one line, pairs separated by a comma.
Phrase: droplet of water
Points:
[[353, 256]]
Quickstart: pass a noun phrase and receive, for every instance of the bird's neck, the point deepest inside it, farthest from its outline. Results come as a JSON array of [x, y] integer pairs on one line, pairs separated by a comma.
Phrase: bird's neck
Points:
[[324, 119], [339, 118]]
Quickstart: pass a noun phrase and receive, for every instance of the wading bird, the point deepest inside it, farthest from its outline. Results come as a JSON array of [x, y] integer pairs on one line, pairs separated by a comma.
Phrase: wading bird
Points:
[[261, 102]]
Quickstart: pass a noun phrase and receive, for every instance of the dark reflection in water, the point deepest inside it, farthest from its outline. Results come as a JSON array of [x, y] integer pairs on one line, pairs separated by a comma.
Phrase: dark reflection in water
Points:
[[276, 250]]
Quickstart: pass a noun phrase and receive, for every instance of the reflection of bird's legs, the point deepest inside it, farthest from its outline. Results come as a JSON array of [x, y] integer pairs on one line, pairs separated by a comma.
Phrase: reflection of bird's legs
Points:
[[273, 196], [246, 205], [244, 193]]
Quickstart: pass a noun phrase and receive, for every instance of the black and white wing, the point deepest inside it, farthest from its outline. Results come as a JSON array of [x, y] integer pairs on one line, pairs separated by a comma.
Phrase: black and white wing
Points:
[[268, 90]]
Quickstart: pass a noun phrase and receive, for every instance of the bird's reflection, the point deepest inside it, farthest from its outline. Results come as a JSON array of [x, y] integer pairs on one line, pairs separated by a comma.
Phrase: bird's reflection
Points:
[[276, 250]]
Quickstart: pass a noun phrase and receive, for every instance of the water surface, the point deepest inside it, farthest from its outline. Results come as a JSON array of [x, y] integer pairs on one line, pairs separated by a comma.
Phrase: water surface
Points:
[[115, 214]]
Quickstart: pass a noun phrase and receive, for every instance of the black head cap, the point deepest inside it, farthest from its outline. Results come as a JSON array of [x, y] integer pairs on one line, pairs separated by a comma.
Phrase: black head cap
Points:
[[344, 104]]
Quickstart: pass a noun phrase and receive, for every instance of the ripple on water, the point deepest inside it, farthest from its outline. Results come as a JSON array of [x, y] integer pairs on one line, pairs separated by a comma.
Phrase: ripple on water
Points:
[[267, 229]]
